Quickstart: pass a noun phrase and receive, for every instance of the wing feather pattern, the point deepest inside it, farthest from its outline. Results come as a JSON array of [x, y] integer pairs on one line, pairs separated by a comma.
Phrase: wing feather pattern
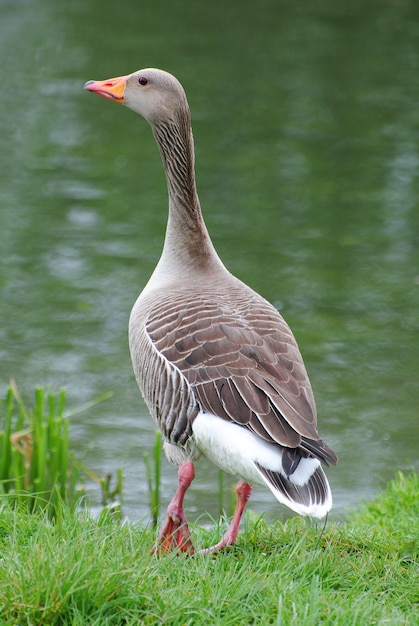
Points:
[[165, 389], [239, 360]]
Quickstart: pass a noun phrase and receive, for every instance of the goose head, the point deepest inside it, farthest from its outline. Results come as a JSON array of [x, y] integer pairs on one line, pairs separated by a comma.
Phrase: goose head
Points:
[[154, 94]]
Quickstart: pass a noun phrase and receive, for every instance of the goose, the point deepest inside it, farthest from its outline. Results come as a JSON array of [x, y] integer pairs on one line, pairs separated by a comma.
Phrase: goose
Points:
[[217, 365]]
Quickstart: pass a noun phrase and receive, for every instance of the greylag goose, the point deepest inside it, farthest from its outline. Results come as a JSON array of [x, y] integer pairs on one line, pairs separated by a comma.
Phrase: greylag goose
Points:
[[218, 367]]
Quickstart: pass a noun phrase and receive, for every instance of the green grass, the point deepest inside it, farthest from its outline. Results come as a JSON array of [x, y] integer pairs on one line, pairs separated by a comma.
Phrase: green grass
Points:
[[79, 571]]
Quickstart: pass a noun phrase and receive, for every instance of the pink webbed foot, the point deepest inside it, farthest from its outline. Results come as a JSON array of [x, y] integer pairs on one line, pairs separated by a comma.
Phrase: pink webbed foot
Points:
[[243, 491], [174, 533]]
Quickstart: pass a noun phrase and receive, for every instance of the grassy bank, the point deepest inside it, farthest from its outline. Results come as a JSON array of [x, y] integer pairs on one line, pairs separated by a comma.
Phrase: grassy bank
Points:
[[77, 571]]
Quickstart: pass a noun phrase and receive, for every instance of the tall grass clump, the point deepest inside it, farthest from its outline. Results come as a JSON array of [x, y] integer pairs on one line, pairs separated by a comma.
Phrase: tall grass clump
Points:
[[36, 467], [153, 474]]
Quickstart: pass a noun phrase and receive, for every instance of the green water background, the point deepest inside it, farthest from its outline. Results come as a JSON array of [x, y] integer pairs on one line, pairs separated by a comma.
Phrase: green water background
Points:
[[306, 121]]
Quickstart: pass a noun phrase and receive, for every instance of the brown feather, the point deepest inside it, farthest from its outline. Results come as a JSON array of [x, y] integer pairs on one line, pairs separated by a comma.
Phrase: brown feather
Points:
[[241, 361]]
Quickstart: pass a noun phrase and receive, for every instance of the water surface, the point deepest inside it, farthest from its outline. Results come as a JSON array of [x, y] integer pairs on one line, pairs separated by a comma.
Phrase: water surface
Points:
[[306, 123]]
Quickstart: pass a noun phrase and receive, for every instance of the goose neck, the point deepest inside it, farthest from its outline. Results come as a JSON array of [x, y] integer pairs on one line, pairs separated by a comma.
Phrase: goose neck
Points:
[[187, 240]]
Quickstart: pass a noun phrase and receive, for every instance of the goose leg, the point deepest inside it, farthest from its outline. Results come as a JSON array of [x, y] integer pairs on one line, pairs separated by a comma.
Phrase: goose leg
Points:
[[174, 532], [243, 491]]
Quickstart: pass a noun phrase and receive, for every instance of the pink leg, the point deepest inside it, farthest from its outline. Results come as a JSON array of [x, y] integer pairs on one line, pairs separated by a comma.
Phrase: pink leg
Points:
[[174, 532], [243, 491]]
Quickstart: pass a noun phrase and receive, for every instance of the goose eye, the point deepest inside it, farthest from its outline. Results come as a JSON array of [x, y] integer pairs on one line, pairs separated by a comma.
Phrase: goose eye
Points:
[[143, 80]]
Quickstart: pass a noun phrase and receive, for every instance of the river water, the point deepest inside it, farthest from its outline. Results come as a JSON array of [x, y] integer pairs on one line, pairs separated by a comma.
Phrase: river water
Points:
[[306, 121]]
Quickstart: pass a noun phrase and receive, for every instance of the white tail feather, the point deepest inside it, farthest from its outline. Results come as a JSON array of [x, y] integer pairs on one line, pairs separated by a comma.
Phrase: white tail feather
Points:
[[240, 452]]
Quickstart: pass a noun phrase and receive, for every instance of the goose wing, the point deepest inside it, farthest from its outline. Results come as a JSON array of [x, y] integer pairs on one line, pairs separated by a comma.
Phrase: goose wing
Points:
[[242, 362]]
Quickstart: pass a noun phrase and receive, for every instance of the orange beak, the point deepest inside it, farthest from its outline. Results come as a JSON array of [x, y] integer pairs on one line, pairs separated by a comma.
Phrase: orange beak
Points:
[[113, 88]]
